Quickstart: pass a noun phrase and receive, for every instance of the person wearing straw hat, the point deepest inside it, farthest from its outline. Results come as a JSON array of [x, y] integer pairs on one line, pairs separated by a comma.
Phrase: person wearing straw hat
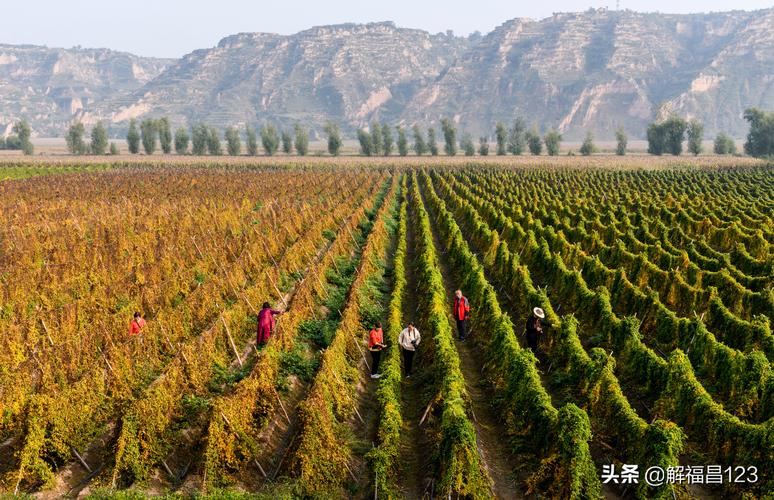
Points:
[[535, 327]]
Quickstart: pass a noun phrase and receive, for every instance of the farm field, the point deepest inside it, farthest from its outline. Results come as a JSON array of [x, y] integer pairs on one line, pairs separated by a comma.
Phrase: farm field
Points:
[[656, 278]]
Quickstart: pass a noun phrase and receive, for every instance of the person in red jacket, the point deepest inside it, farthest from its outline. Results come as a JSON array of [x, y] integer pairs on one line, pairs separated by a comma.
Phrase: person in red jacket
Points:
[[375, 345], [461, 314], [266, 323], [136, 326]]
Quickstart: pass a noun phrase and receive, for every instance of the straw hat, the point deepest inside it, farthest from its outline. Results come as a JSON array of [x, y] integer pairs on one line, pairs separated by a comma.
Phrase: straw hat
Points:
[[539, 312]]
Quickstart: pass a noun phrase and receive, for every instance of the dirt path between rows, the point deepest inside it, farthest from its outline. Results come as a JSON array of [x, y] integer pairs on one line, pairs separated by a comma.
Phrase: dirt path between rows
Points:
[[497, 458], [415, 463]]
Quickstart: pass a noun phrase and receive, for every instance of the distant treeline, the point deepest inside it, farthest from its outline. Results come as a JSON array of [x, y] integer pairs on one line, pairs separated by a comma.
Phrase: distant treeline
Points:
[[381, 139]]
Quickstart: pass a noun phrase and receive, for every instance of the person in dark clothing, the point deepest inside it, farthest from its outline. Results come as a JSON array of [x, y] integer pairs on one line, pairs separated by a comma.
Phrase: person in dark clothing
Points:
[[535, 327], [461, 314]]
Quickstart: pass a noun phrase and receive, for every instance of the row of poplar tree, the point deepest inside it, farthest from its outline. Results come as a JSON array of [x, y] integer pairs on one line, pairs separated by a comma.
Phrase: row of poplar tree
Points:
[[664, 137], [152, 135]]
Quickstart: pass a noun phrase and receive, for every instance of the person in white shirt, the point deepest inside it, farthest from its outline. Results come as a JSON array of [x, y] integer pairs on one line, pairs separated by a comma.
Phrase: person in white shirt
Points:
[[408, 340]]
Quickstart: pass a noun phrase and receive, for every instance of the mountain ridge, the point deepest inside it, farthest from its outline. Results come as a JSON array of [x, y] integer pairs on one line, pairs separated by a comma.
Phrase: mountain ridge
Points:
[[576, 71]]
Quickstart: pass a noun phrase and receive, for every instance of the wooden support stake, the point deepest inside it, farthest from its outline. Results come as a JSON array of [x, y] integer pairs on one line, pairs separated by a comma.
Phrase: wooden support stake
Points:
[[250, 304], [80, 459], [231, 340], [185, 358], [48, 334], [351, 234], [266, 247], [427, 410], [169, 471], [279, 465], [256, 462], [322, 286], [276, 288], [350, 472], [362, 352], [360, 417], [199, 250], [287, 417], [106, 360]]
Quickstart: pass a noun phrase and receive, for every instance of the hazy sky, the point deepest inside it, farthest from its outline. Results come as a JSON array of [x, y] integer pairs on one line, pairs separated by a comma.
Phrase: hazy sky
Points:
[[171, 28]]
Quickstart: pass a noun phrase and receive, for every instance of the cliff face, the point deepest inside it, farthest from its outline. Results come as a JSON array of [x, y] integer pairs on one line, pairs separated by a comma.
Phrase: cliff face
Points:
[[50, 87], [600, 69], [348, 73], [594, 70]]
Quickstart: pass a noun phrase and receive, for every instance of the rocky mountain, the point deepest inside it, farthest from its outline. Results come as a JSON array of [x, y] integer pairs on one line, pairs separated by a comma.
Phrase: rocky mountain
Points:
[[593, 70], [50, 87]]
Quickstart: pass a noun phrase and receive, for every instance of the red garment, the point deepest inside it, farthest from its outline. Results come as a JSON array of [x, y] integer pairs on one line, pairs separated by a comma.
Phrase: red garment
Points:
[[266, 323], [375, 337], [461, 308], [136, 326]]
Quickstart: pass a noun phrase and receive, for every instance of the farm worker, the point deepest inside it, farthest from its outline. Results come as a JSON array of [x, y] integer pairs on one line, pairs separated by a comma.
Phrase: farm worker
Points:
[[408, 340], [266, 323], [461, 313], [375, 345], [534, 327], [137, 324]]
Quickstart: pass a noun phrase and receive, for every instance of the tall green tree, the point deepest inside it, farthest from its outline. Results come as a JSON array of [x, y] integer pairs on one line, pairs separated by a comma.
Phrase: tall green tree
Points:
[[302, 140], [149, 133], [621, 140], [517, 137], [553, 140], [13, 142], [99, 139], [214, 146], [270, 139], [695, 136], [588, 148], [252, 141], [133, 137], [287, 142], [483, 146], [674, 134], [501, 135], [466, 145], [388, 142], [376, 138], [432, 144], [449, 136], [656, 135], [233, 142], [402, 141], [165, 135], [420, 146], [534, 142], [760, 137], [334, 138], [366, 143], [200, 139], [724, 145], [74, 139], [181, 141], [24, 135]]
